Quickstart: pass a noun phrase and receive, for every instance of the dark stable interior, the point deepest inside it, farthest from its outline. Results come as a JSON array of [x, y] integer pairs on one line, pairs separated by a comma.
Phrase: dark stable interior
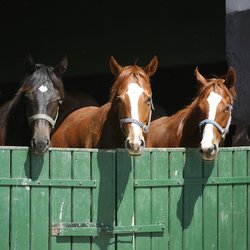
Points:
[[182, 36]]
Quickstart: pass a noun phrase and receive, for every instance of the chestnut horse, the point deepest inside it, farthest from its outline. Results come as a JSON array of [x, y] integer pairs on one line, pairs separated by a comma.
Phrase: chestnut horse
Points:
[[72, 101], [30, 116], [204, 123], [124, 120]]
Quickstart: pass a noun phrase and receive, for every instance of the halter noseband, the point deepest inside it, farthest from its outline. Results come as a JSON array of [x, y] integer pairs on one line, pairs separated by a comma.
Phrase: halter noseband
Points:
[[223, 131], [44, 117], [145, 127]]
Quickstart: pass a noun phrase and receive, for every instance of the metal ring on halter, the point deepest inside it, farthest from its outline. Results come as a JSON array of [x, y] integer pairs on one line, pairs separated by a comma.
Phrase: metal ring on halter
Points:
[[44, 117], [217, 125]]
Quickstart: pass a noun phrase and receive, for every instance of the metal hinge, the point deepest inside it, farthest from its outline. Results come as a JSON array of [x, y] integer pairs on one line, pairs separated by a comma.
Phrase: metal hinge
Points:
[[93, 229]]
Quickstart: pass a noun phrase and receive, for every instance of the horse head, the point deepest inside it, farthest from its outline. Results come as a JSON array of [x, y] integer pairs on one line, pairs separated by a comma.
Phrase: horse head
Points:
[[43, 92], [215, 106], [132, 95]]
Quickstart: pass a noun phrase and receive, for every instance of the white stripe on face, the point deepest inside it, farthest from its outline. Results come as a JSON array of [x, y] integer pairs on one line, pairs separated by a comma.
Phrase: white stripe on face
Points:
[[134, 92], [207, 138]]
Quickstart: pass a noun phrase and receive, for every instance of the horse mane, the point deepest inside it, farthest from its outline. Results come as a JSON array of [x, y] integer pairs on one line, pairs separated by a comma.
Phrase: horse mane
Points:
[[184, 114], [133, 71]]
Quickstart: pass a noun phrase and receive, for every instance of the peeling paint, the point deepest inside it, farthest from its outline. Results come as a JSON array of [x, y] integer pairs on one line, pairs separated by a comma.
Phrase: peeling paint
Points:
[[61, 211]]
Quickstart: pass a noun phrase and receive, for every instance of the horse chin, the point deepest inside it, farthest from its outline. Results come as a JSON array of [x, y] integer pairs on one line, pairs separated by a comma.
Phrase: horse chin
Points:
[[209, 156], [39, 151], [135, 151], [39, 148]]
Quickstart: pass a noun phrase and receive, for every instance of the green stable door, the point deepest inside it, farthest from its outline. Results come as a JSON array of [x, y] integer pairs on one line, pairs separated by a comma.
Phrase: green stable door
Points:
[[106, 199]]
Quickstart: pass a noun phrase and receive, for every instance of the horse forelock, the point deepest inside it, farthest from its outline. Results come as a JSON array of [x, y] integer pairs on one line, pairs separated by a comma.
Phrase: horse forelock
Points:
[[57, 81], [39, 77], [216, 83], [129, 74]]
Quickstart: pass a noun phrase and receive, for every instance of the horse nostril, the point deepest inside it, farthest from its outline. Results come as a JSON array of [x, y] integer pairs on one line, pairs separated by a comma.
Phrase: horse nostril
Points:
[[208, 150], [127, 144], [33, 141], [48, 142], [142, 143]]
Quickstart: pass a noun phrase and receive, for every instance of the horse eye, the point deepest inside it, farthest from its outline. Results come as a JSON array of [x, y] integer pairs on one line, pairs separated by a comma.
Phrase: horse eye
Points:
[[228, 108], [118, 99], [149, 100], [60, 101], [38, 66]]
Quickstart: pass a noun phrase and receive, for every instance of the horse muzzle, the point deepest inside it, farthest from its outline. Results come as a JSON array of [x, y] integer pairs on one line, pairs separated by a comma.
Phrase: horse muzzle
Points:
[[40, 142], [135, 148], [209, 153], [40, 146]]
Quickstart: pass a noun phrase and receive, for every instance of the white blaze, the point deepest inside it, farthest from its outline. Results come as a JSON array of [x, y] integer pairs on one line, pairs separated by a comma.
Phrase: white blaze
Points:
[[213, 101], [134, 92]]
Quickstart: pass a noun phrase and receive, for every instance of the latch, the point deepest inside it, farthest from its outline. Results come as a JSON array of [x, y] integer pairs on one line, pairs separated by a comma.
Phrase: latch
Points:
[[93, 229]]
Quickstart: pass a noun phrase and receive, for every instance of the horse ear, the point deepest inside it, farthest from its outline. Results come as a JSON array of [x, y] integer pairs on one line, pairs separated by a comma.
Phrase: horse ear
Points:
[[201, 80], [230, 80], [114, 66], [30, 65], [152, 66], [61, 67]]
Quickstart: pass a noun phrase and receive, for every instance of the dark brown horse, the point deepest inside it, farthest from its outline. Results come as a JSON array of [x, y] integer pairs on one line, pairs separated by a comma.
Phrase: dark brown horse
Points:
[[30, 116], [123, 121], [204, 123]]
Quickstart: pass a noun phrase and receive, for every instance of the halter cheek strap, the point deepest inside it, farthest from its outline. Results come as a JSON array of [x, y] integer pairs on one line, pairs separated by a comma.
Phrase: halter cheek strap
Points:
[[44, 117], [223, 131]]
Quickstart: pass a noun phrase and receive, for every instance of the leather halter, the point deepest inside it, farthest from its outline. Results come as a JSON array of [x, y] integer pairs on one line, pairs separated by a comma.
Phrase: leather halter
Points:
[[51, 121], [145, 127]]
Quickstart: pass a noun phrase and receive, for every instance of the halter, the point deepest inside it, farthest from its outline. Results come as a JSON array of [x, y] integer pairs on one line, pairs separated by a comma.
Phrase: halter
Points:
[[145, 127], [51, 121], [223, 131]]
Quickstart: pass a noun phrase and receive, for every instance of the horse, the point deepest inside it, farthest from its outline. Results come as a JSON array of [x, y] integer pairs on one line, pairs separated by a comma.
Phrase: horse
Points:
[[72, 101], [204, 123], [122, 121], [29, 117]]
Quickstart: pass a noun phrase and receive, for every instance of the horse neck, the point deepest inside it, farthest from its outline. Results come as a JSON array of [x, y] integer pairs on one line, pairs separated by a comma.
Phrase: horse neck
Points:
[[111, 133], [190, 133]]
